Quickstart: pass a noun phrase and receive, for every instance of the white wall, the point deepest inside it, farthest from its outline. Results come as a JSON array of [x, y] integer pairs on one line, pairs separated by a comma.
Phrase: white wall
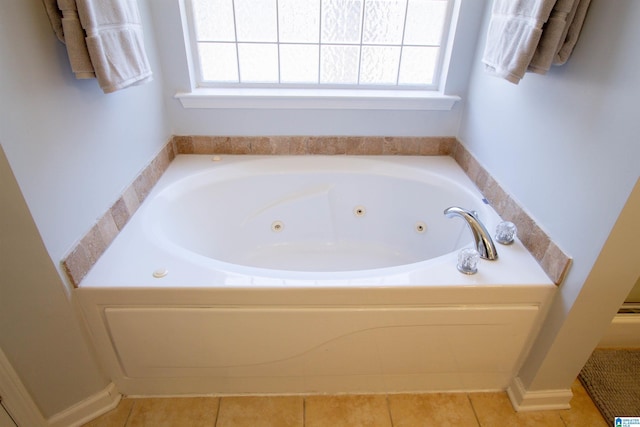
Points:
[[72, 150], [39, 332], [306, 122], [566, 146]]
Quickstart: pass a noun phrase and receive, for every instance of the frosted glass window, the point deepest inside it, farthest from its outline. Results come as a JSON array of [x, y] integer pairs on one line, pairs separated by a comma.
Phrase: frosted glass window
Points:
[[339, 64], [256, 20], [299, 63], [379, 65], [299, 21], [425, 21], [219, 62], [258, 63], [341, 21], [417, 65], [394, 44], [384, 22], [214, 20]]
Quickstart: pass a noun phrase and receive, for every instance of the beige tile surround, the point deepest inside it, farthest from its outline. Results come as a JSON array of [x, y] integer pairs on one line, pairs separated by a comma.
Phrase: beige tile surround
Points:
[[86, 252]]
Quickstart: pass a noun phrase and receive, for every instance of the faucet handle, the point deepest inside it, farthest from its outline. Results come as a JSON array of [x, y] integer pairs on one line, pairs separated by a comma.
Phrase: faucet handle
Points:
[[506, 232]]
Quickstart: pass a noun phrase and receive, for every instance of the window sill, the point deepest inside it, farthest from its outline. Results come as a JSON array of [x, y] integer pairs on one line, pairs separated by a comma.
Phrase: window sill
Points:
[[337, 99]]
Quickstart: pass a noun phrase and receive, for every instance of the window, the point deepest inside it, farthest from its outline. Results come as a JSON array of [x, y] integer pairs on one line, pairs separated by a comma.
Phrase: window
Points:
[[368, 47]]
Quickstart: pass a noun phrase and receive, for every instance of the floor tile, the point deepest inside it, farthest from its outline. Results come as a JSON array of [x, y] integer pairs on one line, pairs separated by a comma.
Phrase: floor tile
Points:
[[426, 410], [280, 411], [583, 411], [115, 418], [397, 410], [185, 411], [495, 410], [347, 411]]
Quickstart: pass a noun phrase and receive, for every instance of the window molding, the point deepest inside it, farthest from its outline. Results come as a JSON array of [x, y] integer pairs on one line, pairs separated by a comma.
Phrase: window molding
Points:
[[318, 98], [353, 99]]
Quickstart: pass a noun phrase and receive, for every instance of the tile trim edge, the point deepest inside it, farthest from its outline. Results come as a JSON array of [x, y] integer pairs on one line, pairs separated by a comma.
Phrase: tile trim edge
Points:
[[553, 260], [305, 145], [86, 252]]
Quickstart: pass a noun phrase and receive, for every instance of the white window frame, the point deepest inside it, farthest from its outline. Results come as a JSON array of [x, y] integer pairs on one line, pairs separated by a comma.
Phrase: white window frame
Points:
[[317, 98]]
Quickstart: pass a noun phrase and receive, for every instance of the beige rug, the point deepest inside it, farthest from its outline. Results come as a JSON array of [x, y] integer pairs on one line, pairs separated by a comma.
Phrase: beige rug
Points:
[[612, 379]]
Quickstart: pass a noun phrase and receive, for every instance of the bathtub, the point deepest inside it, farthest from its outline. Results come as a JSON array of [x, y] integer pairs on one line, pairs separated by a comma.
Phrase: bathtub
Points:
[[309, 274]]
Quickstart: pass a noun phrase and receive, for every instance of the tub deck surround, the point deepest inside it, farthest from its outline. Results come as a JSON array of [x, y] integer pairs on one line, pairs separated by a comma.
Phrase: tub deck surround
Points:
[[553, 260], [230, 326], [173, 232], [88, 250]]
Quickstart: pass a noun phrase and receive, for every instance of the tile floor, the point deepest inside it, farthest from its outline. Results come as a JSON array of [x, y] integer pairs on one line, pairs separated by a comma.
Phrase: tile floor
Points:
[[393, 410]]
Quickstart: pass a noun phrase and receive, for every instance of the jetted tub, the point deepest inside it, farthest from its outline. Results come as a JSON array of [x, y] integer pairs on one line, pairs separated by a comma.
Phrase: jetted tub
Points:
[[309, 274]]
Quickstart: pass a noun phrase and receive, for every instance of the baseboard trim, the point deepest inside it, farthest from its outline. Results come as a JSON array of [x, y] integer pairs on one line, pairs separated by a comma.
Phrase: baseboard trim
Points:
[[543, 400], [88, 409], [624, 332]]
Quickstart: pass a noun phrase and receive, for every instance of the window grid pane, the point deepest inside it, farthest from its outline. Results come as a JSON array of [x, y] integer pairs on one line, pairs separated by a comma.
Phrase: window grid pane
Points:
[[341, 21], [299, 63], [339, 64], [384, 22], [258, 62], [320, 43]]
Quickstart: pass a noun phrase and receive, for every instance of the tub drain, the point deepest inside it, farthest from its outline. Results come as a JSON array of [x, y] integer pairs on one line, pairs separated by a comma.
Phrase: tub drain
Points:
[[277, 226], [359, 211], [420, 227]]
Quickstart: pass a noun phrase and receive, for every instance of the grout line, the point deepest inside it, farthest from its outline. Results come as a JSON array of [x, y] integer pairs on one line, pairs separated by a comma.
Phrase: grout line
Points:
[[473, 408], [218, 412], [126, 421], [389, 409]]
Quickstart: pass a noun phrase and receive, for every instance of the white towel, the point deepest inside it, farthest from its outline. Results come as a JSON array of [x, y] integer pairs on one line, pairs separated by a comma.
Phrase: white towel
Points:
[[514, 32], [531, 35], [114, 41]]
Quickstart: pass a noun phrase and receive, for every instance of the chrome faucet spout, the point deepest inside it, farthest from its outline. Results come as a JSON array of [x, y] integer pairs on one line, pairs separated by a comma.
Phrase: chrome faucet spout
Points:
[[484, 244]]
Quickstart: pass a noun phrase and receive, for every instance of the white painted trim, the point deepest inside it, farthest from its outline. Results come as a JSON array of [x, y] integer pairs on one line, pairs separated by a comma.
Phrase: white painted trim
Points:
[[542, 400], [338, 99], [15, 397], [88, 409], [624, 332]]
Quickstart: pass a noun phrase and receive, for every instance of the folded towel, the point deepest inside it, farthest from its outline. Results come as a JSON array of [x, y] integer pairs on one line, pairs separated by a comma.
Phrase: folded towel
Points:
[[531, 35], [553, 34], [55, 17], [514, 32], [573, 33], [104, 40], [65, 22]]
